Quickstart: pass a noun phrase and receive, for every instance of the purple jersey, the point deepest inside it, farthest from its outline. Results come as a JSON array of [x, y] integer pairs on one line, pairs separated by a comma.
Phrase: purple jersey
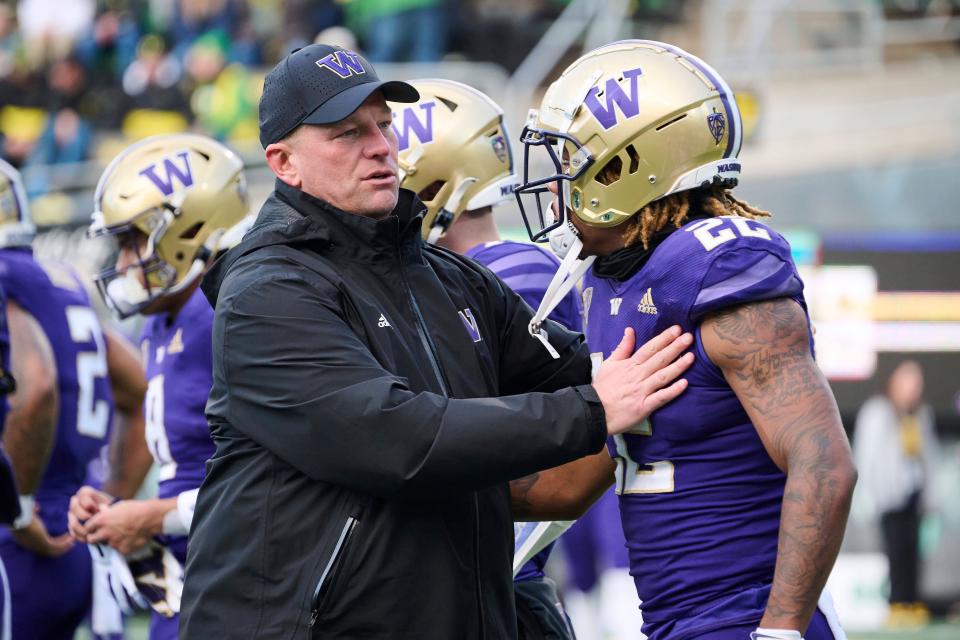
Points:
[[177, 353], [699, 496], [4, 355], [528, 269], [51, 596], [9, 502], [53, 294]]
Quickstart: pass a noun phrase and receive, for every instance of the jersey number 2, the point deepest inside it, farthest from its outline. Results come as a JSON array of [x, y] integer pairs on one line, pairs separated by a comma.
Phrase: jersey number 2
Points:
[[633, 477], [92, 414]]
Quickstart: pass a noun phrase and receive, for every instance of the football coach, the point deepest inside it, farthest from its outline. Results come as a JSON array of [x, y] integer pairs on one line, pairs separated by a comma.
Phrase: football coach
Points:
[[373, 396]]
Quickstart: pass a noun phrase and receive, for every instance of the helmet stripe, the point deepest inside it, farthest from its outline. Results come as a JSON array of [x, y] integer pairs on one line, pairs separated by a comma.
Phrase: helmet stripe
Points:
[[726, 93]]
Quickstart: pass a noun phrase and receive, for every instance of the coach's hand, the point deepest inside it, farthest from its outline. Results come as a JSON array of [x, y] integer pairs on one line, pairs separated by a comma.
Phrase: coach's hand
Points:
[[633, 384]]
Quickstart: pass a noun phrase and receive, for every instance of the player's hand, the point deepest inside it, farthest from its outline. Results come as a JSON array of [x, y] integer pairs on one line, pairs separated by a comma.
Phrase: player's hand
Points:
[[84, 504], [122, 525], [633, 384], [34, 537]]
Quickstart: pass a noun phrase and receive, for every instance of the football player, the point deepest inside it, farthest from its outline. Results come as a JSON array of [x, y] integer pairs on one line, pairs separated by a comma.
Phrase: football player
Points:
[[455, 153], [734, 497], [171, 203], [9, 496], [58, 421]]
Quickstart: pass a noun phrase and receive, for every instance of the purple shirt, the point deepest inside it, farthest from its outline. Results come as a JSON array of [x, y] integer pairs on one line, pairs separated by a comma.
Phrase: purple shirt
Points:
[[177, 353], [528, 269], [4, 354], [699, 496], [53, 294]]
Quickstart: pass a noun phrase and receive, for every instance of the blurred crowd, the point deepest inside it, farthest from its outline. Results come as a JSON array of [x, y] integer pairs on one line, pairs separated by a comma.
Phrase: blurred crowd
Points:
[[75, 75], [81, 79]]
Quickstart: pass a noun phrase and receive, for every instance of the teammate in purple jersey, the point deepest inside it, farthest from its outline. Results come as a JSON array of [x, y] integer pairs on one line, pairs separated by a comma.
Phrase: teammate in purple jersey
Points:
[[734, 497], [171, 203], [50, 578], [454, 152], [9, 497]]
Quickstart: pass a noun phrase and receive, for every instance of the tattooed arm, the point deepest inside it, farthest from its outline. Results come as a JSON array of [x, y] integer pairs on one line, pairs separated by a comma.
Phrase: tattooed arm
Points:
[[564, 492], [763, 350]]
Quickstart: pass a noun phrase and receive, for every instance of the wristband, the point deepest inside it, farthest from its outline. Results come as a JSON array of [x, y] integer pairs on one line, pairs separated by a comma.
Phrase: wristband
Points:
[[26, 513], [172, 524], [775, 634]]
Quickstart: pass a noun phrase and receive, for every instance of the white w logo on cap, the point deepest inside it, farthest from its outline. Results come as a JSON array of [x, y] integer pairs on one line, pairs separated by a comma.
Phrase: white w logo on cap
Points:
[[342, 63]]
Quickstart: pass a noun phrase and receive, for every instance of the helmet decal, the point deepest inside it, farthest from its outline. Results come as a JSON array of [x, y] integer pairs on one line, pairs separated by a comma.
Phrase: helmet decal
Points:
[[614, 96], [171, 171], [717, 125], [410, 122]]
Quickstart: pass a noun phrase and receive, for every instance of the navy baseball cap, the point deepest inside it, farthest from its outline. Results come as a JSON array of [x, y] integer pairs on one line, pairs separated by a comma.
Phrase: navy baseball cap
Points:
[[320, 84]]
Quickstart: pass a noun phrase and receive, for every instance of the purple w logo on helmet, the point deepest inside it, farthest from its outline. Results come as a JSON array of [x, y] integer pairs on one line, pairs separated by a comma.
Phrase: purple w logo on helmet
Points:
[[342, 63], [614, 96], [171, 172], [410, 122]]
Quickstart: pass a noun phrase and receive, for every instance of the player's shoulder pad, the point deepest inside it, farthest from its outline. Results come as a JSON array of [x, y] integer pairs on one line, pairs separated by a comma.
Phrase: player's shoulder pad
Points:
[[738, 261]]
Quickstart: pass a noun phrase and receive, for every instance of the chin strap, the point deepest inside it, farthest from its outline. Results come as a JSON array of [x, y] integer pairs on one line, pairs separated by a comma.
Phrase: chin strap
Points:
[[566, 278], [445, 217]]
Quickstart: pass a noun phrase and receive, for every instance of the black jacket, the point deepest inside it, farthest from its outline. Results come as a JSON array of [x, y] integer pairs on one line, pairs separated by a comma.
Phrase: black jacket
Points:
[[365, 433]]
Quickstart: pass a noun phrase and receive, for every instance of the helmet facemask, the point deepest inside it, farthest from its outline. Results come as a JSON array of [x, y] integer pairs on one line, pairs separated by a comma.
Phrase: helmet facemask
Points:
[[132, 289], [545, 151]]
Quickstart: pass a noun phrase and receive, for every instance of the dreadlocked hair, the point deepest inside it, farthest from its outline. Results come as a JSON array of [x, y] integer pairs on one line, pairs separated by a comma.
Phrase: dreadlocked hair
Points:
[[674, 209]]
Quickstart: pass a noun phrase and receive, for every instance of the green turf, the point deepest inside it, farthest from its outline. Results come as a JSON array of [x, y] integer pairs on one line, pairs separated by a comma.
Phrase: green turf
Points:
[[933, 632]]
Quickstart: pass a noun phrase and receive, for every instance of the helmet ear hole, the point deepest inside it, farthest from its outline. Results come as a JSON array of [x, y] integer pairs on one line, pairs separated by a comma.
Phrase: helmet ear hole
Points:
[[634, 159], [611, 172], [192, 232], [429, 192]]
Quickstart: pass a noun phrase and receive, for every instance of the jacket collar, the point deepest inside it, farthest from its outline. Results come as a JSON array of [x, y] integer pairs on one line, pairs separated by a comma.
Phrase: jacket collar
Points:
[[291, 217], [358, 235]]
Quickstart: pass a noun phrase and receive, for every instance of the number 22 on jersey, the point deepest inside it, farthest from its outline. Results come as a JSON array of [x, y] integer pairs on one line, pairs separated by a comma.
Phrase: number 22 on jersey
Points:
[[632, 476], [713, 232]]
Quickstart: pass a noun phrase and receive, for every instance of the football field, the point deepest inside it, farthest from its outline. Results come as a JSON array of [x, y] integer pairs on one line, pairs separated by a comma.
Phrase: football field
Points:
[[942, 631]]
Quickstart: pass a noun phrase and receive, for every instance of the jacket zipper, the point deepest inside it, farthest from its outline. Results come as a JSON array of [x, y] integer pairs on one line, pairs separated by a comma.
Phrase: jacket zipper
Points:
[[431, 350], [428, 344], [335, 557]]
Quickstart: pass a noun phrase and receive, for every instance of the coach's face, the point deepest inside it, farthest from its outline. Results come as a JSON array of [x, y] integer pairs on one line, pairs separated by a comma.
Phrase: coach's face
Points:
[[351, 164]]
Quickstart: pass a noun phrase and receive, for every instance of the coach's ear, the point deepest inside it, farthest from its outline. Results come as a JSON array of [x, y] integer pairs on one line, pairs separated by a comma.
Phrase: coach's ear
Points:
[[278, 159]]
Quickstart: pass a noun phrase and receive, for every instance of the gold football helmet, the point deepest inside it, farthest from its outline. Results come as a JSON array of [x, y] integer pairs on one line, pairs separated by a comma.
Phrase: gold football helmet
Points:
[[626, 124], [16, 226], [187, 195], [454, 152]]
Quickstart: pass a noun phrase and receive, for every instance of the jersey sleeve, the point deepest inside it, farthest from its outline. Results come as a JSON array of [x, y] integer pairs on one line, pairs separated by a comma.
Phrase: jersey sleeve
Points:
[[747, 270]]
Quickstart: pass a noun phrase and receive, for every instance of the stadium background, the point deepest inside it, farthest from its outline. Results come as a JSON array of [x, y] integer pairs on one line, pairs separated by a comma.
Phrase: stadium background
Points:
[[852, 117]]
